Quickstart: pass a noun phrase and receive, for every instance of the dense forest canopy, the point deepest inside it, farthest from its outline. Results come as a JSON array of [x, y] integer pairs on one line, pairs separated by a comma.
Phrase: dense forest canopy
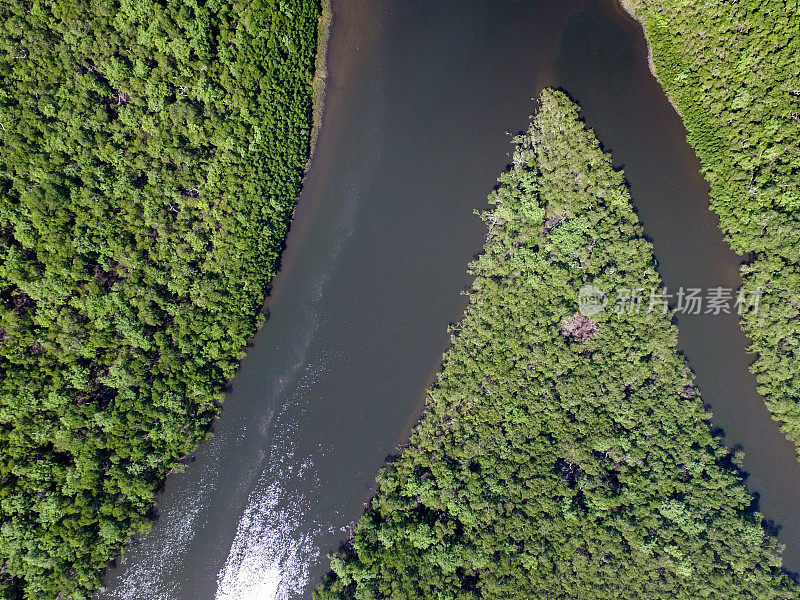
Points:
[[731, 68], [561, 455], [151, 156]]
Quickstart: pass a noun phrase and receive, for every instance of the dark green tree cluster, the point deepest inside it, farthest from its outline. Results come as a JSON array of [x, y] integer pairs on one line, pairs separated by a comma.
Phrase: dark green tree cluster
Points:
[[731, 68], [151, 152], [562, 454]]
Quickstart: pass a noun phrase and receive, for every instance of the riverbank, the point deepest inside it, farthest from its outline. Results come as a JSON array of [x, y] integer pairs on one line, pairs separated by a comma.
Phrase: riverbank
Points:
[[318, 83], [142, 221], [629, 6]]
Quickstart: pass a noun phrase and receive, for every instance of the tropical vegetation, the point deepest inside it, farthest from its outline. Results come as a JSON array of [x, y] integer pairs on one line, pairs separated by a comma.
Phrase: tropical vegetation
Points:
[[151, 155], [564, 451]]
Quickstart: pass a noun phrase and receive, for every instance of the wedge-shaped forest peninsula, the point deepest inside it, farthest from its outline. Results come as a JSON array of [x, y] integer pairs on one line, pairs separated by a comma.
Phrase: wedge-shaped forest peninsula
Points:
[[564, 451]]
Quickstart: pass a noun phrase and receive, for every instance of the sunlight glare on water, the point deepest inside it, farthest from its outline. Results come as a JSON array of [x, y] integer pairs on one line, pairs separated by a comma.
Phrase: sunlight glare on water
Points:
[[264, 587], [269, 558], [270, 555]]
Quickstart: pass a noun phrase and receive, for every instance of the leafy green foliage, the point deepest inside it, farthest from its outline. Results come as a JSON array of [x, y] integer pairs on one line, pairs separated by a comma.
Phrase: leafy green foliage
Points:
[[151, 155], [560, 455], [731, 69]]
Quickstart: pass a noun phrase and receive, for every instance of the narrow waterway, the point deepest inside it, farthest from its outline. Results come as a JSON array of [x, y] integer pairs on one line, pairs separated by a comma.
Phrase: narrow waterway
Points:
[[420, 98], [608, 75]]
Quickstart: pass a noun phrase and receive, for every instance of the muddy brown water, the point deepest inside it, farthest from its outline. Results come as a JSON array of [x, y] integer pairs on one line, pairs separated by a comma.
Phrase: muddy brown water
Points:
[[420, 98]]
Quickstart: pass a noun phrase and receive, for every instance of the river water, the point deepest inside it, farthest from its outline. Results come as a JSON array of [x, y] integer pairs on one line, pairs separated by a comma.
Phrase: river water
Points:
[[421, 96]]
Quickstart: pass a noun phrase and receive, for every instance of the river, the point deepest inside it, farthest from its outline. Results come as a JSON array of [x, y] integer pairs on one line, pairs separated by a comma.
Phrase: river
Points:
[[420, 99]]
